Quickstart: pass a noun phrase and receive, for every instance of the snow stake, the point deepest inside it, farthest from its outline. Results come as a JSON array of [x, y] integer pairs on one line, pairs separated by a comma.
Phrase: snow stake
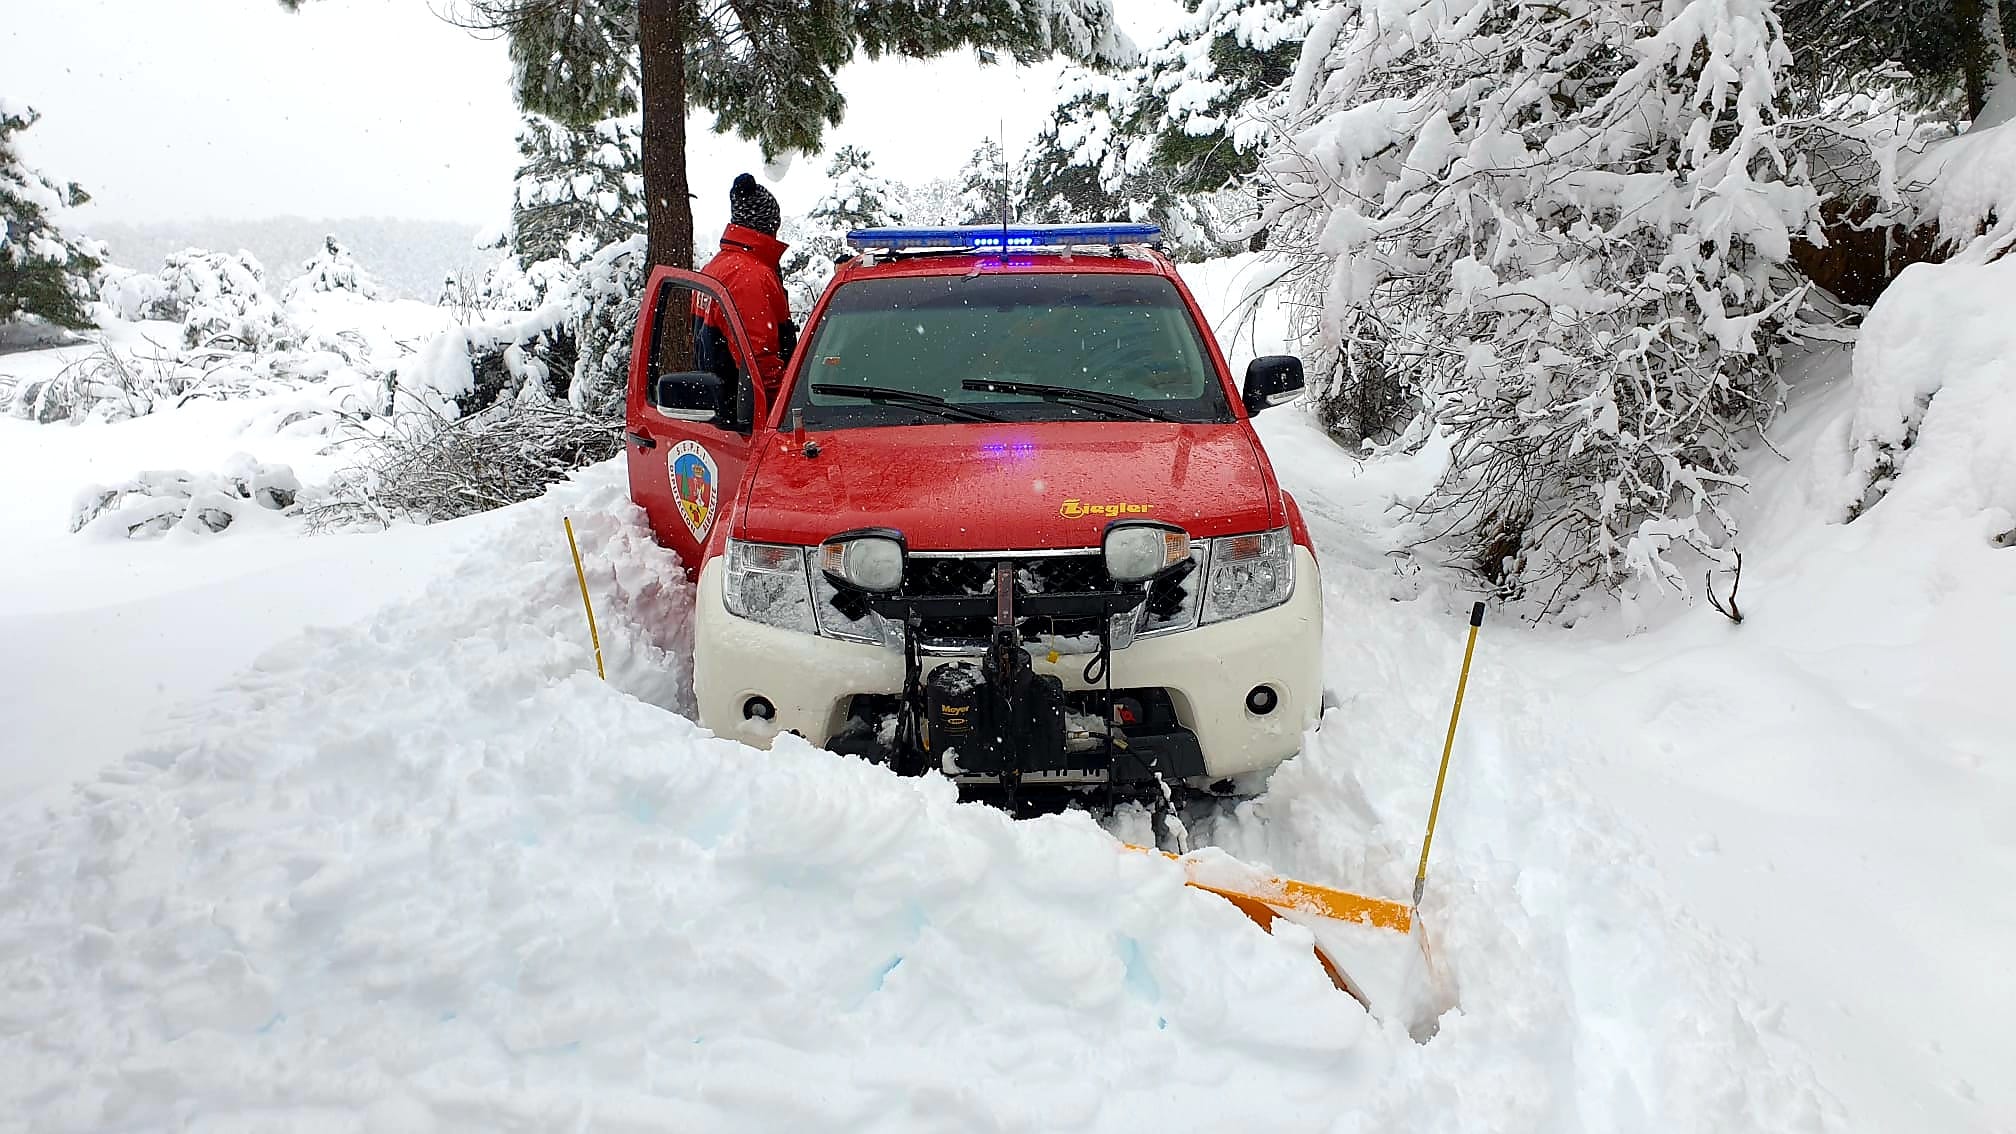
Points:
[[1448, 743], [581, 577]]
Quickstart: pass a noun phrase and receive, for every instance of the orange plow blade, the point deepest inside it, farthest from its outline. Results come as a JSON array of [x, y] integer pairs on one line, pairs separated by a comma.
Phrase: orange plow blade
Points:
[[1375, 949]]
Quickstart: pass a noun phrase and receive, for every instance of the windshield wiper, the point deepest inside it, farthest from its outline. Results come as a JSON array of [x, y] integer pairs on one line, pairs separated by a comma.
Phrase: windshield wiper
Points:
[[1097, 399], [908, 398]]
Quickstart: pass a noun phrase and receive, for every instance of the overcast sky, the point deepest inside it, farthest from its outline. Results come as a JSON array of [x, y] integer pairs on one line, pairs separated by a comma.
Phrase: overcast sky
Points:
[[167, 109]]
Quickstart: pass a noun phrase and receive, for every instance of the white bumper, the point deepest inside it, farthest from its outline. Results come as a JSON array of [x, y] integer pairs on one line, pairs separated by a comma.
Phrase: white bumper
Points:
[[1207, 671]]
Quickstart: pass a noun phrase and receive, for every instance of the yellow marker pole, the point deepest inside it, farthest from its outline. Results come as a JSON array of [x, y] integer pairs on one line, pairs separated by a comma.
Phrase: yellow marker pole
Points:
[[1448, 743], [581, 577]]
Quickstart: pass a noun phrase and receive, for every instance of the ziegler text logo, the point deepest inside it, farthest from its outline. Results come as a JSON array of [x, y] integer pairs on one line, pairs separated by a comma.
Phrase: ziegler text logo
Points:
[[1075, 508]]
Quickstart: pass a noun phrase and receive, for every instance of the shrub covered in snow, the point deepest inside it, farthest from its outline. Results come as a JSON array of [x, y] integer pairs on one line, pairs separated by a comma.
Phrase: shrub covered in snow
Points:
[[44, 275], [220, 298], [464, 370], [112, 383], [333, 269], [156, 503], [105, 384], [1557, 227], [429, 467], [128, 294]]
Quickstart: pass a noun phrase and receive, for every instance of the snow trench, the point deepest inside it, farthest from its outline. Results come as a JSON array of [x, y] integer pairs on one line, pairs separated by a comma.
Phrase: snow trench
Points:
[[428, 873]]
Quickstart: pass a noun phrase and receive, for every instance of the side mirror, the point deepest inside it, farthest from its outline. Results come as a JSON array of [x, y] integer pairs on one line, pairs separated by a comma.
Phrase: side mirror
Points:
[[694, 395], [1272, 379]]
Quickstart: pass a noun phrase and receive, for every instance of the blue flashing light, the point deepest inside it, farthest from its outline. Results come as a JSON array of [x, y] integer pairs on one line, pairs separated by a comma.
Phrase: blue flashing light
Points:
[[1007, 450], [997, 238]]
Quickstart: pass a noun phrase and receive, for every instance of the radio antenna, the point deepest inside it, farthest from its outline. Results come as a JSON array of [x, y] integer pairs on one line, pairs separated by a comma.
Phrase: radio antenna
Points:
[[1002, 128]]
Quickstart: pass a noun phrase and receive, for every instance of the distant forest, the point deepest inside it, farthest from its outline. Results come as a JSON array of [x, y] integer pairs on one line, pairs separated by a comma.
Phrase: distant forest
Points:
[[409, 257]]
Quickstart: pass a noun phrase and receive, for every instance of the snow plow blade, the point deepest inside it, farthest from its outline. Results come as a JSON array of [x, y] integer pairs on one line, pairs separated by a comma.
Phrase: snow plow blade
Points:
[[1373, 949]]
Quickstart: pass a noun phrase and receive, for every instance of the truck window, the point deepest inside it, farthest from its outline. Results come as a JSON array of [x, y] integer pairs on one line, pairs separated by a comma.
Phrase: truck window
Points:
[[1106, 333]]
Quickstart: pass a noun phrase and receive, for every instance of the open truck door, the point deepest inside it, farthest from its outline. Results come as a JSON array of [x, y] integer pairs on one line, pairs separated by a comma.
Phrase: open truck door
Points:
[[692, 409]]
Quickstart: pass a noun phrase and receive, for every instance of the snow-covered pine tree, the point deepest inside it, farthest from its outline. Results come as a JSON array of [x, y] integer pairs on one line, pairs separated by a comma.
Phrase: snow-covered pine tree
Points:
[[1556, 226], [579, 189], [602, 310], [765, 71], [990, 192], [933, 203], [856, 197], [577, 212], [572, 60], [333, 269], [578, 201], [44, 274], [1946, 52], [1156, 140]]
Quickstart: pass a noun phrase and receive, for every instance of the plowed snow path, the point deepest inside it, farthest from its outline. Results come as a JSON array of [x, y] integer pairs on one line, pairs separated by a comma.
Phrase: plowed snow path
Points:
[[426, 873]]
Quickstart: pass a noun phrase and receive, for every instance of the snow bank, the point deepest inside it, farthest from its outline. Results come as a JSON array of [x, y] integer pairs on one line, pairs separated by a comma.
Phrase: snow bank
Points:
[[1935, 403], [1968, 185], [432, 874], [156, 503], [427, 873]]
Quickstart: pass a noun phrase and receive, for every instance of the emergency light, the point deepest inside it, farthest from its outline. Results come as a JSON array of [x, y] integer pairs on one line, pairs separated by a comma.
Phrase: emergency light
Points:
[[1003, 238]]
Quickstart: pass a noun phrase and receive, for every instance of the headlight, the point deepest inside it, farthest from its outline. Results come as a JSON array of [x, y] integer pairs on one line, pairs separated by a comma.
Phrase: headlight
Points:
[[845, 615], [868, 558], [1139, 550], [1249, 573], [766, 582]]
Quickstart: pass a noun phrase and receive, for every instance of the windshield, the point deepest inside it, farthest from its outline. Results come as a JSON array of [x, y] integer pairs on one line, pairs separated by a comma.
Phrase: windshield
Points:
[[1103, 346]]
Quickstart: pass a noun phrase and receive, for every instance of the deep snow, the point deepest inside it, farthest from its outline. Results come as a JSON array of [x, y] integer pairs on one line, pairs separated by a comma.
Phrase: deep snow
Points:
[[417, 869]]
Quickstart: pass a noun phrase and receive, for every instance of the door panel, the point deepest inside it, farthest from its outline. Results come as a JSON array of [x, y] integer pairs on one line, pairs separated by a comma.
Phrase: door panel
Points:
[[684, 472]]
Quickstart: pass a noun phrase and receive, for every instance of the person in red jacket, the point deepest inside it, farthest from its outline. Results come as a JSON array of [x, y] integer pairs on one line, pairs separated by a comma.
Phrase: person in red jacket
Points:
[[748, 268]]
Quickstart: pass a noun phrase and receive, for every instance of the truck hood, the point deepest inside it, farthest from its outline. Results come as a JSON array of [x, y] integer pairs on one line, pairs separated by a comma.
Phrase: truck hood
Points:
[[986, 487]]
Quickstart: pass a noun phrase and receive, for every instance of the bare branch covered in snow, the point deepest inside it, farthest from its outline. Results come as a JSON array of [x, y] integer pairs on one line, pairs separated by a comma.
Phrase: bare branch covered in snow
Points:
[[429, 466]]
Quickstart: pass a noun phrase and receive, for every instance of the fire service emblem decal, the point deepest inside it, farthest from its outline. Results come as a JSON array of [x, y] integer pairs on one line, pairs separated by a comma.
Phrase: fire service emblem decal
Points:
[[694, 483]]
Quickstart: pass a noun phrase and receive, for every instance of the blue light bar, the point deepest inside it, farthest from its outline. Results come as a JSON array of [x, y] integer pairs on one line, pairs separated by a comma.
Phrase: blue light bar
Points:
[[997, 238]]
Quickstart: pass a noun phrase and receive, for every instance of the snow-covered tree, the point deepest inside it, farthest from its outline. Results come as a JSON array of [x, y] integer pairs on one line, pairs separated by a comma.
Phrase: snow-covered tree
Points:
[[766, 71], [856, 197], [602, 310], [330, 270], [43, 273], [572, 60], [1154, 141], [579, 189], [1947, 54], [577, 212], [934, 203], [220, 298], [1558, 228], [990, 190]]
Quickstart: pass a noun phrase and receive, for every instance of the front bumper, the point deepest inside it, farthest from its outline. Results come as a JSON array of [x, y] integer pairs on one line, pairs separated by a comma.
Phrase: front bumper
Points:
[[1208, 671]]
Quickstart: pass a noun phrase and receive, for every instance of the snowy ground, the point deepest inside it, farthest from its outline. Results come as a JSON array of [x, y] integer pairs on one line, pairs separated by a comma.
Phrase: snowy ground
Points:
[[360, 843]]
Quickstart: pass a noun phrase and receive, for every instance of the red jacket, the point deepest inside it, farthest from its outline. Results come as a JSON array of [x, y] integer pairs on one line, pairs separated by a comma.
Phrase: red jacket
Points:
[[748, 267]]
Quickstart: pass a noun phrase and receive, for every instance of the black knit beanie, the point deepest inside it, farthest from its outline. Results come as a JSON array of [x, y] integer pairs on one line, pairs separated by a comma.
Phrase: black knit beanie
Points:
[[752, 206]]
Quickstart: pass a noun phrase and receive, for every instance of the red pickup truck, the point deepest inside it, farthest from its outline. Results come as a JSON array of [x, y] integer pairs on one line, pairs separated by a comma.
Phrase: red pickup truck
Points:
[[1005, 518]]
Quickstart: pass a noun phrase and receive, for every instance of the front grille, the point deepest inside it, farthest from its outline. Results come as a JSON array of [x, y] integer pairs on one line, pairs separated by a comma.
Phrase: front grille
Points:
[[1169, 600]]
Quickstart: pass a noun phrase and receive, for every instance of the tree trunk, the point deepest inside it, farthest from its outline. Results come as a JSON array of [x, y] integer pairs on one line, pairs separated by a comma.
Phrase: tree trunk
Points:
[[668, 204], [1984, 53]]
